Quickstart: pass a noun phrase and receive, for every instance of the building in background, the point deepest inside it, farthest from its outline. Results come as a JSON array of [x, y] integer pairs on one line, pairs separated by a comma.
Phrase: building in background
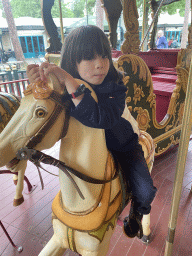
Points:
[[32, 35]]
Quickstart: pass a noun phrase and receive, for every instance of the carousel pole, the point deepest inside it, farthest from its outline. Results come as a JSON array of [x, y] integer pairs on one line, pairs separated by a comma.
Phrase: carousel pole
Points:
[[61, 22], [143, 23], [180, 167]]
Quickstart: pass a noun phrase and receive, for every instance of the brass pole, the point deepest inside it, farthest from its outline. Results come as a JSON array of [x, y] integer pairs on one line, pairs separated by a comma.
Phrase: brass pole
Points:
[[180, 167], [143, 23], [61, 22], [153, 20]]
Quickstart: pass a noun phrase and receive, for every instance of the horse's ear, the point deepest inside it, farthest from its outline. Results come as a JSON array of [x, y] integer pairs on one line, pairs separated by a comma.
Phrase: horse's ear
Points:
[[54, 83]]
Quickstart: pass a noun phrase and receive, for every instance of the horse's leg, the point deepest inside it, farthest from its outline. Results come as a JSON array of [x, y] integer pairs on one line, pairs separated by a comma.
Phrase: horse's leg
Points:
[[87, 245], [52, 248], [58, 243], [146, 228], [19, 199], [15, 178]]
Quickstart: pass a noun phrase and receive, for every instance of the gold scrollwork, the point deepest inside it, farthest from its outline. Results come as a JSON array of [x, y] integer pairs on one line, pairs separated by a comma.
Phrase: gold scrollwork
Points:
[[180, 114], [130, 108], [173, 141], [128, 100], [143, 118], [126, 79], [138, 93], [130, 14]]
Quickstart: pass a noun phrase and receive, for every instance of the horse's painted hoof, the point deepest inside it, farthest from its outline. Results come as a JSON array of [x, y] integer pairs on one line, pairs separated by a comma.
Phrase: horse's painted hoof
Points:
[[146, 239], [17, 202], [15, 182]]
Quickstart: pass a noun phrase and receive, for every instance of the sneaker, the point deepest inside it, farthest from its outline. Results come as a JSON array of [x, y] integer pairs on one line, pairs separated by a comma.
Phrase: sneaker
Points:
[[132, 224]]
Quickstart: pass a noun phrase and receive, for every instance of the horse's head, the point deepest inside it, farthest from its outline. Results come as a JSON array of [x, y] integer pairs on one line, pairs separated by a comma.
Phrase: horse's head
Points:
[[35, 111]]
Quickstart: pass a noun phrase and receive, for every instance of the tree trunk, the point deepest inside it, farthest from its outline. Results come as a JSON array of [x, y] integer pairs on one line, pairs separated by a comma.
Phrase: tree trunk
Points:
[[13, 31], [185, 25], [99, 15]]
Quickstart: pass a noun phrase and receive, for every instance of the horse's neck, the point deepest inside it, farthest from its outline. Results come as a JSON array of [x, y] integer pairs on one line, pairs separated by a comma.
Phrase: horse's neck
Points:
[[83, 149]]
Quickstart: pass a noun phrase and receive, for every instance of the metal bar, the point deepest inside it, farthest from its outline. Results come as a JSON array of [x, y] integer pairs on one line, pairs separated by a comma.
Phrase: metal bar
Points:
[[19, 248], [15, 81], [10, 77], [11, 83], [18, 89], [180, 167], [6, 233], [143, 24], [151, 23], [61, 22]]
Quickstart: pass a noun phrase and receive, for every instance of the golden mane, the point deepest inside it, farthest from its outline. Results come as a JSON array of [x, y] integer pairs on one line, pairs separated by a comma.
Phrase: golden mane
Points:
[[40, 90]]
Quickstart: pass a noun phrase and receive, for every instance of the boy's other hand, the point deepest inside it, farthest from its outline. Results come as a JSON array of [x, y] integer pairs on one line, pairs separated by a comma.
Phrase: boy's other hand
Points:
[[33, 73]]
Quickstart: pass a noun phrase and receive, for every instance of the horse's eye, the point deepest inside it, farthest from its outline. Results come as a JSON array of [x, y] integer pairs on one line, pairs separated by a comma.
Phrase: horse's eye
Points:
[[40, 113]]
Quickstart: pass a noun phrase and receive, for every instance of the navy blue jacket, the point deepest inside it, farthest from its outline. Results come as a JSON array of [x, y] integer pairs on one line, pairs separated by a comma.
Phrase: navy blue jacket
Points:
[[161, 42], [106, 114]]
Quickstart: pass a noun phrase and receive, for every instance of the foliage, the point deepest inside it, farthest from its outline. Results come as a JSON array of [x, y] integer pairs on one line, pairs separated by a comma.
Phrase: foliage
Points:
[[32, 8], [170, 8], [78, 7]]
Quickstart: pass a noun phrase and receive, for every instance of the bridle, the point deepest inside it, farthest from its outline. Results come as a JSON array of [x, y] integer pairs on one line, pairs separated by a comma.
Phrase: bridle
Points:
[[36, 157]]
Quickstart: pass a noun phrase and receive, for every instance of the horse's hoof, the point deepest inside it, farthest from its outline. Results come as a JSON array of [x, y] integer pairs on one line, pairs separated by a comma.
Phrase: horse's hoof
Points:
[[146, 239], [15, 182], [17, 202]]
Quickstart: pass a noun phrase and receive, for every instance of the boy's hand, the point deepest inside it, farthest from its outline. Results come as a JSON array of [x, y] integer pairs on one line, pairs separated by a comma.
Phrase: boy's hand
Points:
[[46, 68], [33, 73]]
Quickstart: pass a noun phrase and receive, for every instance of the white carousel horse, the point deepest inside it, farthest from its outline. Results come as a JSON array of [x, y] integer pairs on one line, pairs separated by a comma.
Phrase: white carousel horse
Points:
[[83, 225], [8, 106]]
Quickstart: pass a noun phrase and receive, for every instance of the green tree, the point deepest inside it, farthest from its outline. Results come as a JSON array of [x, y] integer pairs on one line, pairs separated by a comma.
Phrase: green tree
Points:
[[78, 7], [32, 8], [166, 8]]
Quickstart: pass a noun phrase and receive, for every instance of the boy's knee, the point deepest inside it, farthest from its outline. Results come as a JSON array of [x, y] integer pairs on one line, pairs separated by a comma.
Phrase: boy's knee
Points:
[[149, 196]]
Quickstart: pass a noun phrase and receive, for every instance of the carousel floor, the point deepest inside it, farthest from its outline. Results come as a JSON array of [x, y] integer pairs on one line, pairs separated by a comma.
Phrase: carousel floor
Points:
[[30, 224]]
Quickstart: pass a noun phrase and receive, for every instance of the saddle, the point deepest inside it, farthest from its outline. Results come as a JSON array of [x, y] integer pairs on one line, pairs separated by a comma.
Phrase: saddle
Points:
[[104, 211]]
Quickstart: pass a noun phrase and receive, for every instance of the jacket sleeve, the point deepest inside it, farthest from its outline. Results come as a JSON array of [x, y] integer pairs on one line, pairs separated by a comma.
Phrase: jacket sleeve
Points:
[[107, 112], [165, 43]]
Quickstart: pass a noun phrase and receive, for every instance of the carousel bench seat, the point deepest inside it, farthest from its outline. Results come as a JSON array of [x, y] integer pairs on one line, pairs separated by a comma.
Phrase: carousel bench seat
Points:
[[161, 64], [156, 94], [164, 81]]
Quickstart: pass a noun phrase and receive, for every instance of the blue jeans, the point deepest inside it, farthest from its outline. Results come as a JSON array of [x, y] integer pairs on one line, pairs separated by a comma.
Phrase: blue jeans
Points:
[[137, 175]]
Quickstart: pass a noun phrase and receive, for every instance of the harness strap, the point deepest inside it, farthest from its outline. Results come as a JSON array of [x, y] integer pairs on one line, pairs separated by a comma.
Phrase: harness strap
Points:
[[38, 156], [40, 134], [37, 138]]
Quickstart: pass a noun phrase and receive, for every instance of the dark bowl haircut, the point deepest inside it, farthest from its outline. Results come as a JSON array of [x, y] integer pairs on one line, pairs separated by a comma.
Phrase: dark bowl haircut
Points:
[[84, 43]]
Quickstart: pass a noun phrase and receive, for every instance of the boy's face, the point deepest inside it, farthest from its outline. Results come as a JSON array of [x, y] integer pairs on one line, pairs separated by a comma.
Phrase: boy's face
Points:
[[94, 71]]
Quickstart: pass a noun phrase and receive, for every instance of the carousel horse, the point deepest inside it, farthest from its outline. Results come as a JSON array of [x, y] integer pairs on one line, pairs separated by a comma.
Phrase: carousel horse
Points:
[[9, 104], [90, 199]]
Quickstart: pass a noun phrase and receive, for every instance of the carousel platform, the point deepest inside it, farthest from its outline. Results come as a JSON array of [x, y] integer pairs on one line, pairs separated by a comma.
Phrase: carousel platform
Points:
[[29, 224]]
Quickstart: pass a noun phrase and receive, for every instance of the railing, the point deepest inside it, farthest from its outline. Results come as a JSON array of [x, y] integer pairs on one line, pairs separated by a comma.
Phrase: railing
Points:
[[15, 87]]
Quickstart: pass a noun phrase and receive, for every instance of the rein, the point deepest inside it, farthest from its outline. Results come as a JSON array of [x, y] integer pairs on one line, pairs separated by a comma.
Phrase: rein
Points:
[[36, 157]]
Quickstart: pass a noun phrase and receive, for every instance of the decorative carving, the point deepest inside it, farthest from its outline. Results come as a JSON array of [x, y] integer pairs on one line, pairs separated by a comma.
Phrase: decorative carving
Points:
[[143, 118], [113, 9], [138, 93], [173, 141], [130, 14], [50, 27], [126, 78], [142, 100]]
